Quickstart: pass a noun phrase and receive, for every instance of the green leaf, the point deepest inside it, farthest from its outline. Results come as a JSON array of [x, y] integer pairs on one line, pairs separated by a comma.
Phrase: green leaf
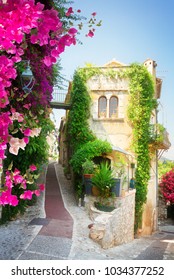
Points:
[[10, 166]]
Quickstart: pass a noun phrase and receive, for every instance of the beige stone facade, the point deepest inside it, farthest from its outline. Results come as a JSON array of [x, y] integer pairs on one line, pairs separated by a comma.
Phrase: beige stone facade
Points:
[[110, 99], [115, 128]]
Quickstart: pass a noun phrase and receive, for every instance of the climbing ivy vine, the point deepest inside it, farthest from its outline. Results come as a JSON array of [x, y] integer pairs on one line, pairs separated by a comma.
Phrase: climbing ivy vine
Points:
[[83, 142], [141, 105], [78, 129]]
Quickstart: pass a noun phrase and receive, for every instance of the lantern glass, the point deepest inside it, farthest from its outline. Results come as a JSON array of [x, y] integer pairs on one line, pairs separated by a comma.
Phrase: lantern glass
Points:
[[27, 79]]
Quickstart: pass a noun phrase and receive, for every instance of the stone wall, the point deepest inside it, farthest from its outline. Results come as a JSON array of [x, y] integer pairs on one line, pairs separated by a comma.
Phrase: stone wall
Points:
[[162, 209], [110, 229]]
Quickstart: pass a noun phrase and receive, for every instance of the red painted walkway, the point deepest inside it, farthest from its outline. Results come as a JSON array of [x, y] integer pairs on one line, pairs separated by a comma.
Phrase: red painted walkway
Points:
[[58, 221]]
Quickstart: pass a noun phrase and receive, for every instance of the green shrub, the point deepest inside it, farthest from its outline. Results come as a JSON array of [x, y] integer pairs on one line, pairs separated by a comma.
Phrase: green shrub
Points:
[[89, 151]]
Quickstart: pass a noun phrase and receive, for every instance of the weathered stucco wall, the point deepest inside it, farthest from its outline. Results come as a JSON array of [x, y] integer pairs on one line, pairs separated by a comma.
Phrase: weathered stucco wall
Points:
[[110, 229], [150, 215], [116, 129]]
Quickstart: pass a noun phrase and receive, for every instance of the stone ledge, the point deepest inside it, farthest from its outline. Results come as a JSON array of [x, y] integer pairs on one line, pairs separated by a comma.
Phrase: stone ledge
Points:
[[114, 228]]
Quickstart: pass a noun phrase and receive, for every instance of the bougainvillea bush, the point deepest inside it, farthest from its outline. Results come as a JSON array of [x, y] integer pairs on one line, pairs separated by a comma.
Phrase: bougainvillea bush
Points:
[[34, 32], [167, 187]]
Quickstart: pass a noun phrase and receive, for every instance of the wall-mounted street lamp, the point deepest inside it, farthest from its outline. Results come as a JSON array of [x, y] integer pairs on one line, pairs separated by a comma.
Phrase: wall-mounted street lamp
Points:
[[27, 78]]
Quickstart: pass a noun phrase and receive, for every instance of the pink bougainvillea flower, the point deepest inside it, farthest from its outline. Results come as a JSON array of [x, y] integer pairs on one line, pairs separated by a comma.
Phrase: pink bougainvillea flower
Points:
[[26, 195], [78, 11], [7, 198], [16, 58], [66, 40], [4, 197], [69, 12], [42, 187], [24, 184], [48, 61], [94, 14], [53, 43], [8, 182], [5, 121], [27, 106], [18, 179], [27, 132], [2, 152], [13, 200], [2, 155], [26, 140], [90, 34], [16, 172], [3, 99], [37, 192], [7, 71], [32, 167], [54, 53], [72, 31]]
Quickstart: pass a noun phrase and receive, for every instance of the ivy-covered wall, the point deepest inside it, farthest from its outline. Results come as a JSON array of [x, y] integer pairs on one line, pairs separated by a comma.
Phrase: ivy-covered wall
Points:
[[141, 105], [81, 140], [78, 129]]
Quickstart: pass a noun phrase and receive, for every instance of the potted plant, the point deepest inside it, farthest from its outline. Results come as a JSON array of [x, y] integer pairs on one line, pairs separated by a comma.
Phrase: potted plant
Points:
[[103, 180], [88, 168]]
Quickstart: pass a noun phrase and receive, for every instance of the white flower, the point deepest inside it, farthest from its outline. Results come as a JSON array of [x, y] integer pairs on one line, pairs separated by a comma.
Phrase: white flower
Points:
[[16, 144], [35, 132]]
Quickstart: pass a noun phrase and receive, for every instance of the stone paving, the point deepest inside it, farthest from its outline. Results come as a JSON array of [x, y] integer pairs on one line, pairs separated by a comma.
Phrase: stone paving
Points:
[[17, 235], [20, 239]]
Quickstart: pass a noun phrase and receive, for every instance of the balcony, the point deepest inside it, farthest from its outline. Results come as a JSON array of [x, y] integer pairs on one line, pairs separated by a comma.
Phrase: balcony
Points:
[[159, 138], [61, 99]]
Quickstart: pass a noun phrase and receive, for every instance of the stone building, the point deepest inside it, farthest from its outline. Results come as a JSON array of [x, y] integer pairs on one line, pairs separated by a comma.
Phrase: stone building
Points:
[[110, 99]]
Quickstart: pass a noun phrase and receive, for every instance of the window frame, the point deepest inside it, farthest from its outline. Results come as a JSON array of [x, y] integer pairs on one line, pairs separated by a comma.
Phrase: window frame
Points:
[[112, 114], [102, 113]]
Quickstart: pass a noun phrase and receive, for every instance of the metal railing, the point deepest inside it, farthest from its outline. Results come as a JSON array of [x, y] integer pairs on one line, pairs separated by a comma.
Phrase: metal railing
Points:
[[59, 95], [159, 137], [60, 99]]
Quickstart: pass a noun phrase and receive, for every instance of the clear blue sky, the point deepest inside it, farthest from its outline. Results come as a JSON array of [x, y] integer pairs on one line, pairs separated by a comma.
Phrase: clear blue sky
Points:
[[131, 31]]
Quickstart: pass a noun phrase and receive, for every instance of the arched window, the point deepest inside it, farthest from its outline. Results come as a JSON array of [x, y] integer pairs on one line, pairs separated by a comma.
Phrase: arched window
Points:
[[102, 106], [113, 107]]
